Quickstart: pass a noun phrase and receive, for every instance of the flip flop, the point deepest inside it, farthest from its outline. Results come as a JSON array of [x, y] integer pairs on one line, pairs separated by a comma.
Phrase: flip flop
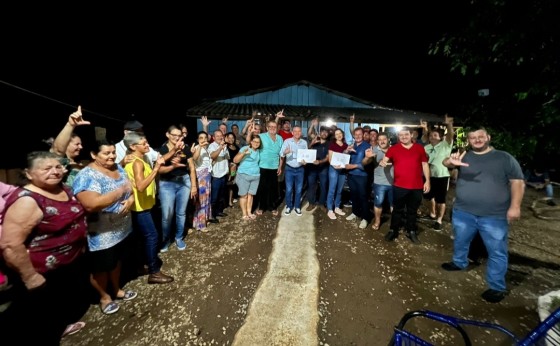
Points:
[[245, 217], [110, 308], [252, 216], [128, 295], [73, 328], [375, 227]]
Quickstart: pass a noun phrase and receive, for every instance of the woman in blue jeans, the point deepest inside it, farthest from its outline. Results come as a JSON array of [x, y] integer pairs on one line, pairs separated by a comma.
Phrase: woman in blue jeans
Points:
[[143, 178], [337, 175], [177, 183]]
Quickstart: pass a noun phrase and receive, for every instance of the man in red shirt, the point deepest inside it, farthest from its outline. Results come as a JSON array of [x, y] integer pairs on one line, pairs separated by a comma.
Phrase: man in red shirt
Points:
[[410, 161]]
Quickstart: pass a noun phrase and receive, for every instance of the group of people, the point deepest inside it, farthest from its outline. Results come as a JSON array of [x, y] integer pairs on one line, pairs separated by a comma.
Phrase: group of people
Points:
[[69, 226]]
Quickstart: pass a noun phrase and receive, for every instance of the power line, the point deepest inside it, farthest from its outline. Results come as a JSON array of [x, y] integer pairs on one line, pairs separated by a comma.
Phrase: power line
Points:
[[61, 102]]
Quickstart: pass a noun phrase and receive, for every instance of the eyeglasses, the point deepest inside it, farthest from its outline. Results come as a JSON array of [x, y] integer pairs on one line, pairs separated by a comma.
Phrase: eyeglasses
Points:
[[255, 141], [175, 135]]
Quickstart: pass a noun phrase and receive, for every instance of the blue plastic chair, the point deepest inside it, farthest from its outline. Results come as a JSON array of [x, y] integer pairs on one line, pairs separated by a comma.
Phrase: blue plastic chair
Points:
[[545, 331]]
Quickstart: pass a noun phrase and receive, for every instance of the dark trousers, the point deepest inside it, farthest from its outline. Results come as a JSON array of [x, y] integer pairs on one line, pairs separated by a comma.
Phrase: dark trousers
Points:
[[405, 206], [267, 192], [359, 196], [218, 193], [317, 177]]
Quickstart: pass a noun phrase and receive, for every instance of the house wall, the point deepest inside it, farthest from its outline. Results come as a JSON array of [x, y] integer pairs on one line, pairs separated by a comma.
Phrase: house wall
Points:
[[298, 95]]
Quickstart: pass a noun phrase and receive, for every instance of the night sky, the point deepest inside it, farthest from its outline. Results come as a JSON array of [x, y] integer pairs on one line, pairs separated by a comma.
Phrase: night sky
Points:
[[157, 63]]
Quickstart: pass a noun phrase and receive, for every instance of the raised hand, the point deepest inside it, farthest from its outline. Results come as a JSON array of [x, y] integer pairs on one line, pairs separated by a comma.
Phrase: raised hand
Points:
[[75, 119], [456, 159], [280, 114], [352, 117], [448, 119], [423, 124], [224, 120], [204, 121]]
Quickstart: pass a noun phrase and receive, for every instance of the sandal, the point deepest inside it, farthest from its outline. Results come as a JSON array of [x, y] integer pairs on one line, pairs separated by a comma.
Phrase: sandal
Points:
[[252, 216], [110, 308], [245, 217], [73, 328], [375, 226], [128, 295]]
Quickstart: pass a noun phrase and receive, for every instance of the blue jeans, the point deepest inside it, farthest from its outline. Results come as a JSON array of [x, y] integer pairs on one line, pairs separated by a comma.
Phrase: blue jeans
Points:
[[336, 184], [174, 198], [143, 222], [382, 191], [294, 183], [494, 233], [315, 175], [218, 193]]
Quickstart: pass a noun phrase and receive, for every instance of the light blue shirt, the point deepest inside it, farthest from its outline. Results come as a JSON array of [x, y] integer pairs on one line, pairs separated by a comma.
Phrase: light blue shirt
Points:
[[291, 157]]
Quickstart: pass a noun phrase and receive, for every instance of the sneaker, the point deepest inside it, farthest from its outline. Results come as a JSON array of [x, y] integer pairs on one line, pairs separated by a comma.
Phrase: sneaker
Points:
[[351, 217], [181, 245], [287, 211], [493, 296], [363, 224], [234, 200], [165, 248], [450, 267], [298, 212], [348, 204], [391, 235], [413, 237], [310, 207], [551, 203], [437, 226], [331, 215], [339, 211]]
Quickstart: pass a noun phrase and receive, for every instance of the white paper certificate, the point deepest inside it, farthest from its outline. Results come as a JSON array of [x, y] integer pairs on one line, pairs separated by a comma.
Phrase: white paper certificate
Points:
[[307, 155], [339, 159]]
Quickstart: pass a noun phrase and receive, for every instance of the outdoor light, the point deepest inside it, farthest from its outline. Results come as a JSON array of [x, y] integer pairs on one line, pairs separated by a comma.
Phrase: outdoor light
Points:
[[329, 122], [398, 128]]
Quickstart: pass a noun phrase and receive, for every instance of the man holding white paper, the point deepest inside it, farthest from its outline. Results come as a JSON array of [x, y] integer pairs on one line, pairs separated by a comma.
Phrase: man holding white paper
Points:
[[294, 171]]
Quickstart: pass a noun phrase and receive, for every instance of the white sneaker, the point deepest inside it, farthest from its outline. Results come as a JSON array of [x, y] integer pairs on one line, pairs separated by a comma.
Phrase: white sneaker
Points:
[[339, 211], [331, 215], [363, 224], [351, 217], [287, 211]]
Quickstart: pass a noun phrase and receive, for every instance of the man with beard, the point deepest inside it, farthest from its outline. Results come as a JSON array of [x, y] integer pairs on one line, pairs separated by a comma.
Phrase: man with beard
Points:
[[489, 192], [410, 162]]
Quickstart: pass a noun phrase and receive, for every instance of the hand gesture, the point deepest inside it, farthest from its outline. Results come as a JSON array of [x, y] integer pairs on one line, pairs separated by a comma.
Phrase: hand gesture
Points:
[[204, 121], [370, 153], [314, 122], [280, 114], [75, 119], [193, 148], [423, 124], [447, 119], [159, 162], [352, 117], [224, 120], [456, 159]]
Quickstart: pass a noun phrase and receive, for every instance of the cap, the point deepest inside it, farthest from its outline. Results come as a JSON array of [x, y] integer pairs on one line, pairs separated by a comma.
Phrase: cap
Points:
[[133, 125]]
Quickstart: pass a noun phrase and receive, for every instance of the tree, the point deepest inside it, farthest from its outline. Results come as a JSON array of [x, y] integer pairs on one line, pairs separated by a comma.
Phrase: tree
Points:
[[516, 44]]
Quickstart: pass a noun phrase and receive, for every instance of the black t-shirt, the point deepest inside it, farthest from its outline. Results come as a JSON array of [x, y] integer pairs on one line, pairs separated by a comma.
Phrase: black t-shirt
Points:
[[185, 155], [232, 152]]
